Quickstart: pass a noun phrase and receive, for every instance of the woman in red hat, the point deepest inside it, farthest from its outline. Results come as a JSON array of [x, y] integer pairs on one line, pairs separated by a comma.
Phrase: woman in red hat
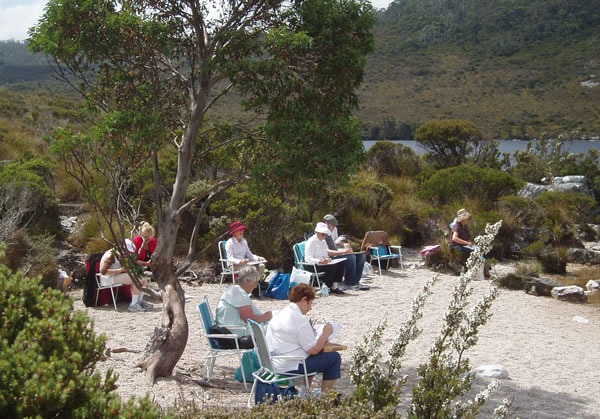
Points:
[[238, 252]]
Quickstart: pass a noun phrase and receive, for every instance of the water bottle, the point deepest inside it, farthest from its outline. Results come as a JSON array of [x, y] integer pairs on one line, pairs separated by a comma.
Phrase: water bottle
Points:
[[324, 290]]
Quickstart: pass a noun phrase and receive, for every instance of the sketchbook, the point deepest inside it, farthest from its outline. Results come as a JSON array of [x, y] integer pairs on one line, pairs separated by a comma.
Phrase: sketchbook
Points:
[[319, 330]]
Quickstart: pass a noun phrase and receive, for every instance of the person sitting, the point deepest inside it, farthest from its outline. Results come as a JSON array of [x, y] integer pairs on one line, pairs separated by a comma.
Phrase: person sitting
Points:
[[145, 245], [235, 306], [353, 262], [316, 252], [461, 237], [113, 272], [290, 333], [238, 252]]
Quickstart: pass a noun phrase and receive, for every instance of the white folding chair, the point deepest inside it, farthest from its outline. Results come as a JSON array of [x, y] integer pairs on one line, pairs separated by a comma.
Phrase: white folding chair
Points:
[[226, 267], [267, 374], [107, 284]]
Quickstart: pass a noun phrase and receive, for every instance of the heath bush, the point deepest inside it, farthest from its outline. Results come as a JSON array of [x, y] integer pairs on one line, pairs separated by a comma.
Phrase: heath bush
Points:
[[466, 181], [48, 354]]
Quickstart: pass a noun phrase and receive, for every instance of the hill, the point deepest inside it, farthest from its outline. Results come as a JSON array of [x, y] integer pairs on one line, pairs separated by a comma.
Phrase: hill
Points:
[[513, 67]]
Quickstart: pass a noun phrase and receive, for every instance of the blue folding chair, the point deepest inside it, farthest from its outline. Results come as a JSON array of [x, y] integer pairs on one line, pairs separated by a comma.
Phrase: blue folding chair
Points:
[[383, 251], [299, 251], [215, 350]]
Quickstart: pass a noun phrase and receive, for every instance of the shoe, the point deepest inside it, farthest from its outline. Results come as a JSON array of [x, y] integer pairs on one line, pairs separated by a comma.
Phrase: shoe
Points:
[[365, 281], [146, 306], [337, 291], [135, 308], [362, 287]]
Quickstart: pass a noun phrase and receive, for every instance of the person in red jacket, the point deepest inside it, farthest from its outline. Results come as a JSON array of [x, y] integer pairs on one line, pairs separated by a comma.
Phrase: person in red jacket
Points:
[[145, 245]]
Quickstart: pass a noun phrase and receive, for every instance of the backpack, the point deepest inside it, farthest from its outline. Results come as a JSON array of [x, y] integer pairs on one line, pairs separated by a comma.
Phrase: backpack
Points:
[[279, 287], [272, 392]]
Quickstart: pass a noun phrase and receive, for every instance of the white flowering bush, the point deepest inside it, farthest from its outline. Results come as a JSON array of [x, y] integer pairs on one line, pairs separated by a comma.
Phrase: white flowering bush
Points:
[[444, 377]]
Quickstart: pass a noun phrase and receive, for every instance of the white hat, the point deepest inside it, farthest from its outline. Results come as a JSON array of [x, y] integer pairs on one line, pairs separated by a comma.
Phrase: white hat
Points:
[[463, 216], [322, 228], [130, 246]]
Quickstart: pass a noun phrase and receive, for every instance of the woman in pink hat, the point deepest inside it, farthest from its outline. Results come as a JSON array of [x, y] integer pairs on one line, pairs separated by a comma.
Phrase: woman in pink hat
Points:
[[238, 252]]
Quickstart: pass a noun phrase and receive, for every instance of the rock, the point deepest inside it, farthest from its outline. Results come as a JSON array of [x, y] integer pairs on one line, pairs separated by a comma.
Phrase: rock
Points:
[[560, 184], [571, 293], [592, 285], [490, 371], [580, 319], [544, 286]]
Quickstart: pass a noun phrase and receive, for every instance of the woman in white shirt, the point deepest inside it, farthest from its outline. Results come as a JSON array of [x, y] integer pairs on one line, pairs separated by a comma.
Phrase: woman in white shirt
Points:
[[238, 252], [235, 306], [290, 333], [316, 251]]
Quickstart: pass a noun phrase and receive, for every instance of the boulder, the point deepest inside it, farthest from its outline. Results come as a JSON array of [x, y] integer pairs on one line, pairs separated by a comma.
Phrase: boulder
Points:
[[490, 371], [560, 184], [571, 293], [543, 286], [593, 285]]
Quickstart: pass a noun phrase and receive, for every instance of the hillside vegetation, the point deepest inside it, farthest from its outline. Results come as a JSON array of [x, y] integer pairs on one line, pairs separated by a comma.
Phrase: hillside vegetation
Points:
[[513, 67]]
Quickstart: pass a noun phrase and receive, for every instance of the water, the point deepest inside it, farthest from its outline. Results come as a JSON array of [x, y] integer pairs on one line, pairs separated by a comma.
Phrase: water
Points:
[[505, 146]]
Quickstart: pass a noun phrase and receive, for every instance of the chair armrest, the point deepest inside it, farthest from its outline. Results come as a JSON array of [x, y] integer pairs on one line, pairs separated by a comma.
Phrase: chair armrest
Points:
[[397, 247], [219, 336], [288, 357], [376, 248]]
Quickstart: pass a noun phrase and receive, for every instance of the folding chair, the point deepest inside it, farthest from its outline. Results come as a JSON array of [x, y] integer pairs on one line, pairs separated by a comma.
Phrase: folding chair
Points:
[[215, 350], [111, 286], [379, 249], [300, 264], [267, 374], [226, 268]]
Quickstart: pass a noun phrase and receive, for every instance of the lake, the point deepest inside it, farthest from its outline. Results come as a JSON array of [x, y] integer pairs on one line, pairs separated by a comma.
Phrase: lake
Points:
[[505, 146]]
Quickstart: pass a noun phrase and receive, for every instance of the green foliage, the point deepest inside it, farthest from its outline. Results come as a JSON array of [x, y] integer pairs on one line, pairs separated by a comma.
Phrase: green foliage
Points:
[[387, 158], [48, 354], [448, 142], [465, 181]]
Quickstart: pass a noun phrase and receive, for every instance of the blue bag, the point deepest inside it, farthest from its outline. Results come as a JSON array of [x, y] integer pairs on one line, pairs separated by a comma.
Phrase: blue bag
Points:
[[279, 287], [272, 392]]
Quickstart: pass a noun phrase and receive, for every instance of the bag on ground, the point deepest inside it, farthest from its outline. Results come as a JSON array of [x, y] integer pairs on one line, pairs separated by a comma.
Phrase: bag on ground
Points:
[[272, 392], [299, 276], [250, 364], [278, 287]]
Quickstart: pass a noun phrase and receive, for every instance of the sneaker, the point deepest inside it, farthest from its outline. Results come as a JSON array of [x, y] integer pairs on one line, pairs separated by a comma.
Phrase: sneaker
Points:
[[362, 287], [365, 281], [337, 291], [146, 306], [135, 308]]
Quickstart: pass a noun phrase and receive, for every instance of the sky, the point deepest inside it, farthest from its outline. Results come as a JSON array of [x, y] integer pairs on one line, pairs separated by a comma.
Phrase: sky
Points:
[[17, 16]]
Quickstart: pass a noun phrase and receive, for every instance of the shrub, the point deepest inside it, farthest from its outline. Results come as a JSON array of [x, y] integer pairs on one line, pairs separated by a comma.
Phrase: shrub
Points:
[[467, 181], [388, 158], [48, 354]]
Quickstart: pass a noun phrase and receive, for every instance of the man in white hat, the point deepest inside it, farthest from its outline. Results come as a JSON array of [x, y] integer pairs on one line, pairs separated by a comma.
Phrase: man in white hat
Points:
[[353, 262], [113, 272], [316, 252]]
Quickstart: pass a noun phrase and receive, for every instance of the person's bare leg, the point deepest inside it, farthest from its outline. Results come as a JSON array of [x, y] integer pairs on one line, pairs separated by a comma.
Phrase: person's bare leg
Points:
[[327, 385]]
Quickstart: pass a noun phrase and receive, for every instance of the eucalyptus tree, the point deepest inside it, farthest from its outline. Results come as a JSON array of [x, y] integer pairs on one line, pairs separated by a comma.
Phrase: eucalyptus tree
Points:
[[153, 72]]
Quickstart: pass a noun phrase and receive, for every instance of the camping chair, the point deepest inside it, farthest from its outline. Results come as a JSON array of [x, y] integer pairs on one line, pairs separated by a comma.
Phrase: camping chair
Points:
[[215, 351], [226, 268], [267, 374], [379, 249], [300, 264], [100, 287]]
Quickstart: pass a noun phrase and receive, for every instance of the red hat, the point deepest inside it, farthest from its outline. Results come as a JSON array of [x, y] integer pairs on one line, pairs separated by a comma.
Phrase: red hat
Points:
[[236, 226]]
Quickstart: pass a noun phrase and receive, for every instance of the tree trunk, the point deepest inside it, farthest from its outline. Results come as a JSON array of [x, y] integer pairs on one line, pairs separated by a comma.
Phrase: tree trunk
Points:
[[169, 341]]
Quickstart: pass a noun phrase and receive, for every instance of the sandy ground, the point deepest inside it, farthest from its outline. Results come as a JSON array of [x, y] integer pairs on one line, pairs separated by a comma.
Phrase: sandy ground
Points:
[[552, 360]]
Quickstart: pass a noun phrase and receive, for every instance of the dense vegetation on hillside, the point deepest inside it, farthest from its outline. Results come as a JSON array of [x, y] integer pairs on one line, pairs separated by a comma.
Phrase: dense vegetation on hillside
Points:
[[513, 67]]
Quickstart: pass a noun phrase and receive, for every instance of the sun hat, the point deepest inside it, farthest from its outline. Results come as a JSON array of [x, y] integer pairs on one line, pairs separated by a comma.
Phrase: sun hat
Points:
[[322, 228], [331, 219], [130, 246], [236, 226], [465, 215]]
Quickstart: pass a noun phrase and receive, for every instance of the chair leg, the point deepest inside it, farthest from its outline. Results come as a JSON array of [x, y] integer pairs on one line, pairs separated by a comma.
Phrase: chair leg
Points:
[[210, 363], [97, 293], [379, 265], [112, 292], [222, 277], [251, 394]]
